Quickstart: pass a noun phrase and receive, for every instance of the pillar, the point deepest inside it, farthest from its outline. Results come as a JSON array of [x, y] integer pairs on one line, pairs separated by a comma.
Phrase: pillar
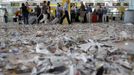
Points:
[[131, 4], [129, 14]]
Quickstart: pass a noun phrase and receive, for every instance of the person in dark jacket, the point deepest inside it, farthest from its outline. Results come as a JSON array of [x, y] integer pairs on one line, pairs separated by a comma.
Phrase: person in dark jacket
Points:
[[25, 13], [44, 13], [38, 12], [73, 13], [6, 16], [44, 7], [100, 13], [88, 13], [48, 10]]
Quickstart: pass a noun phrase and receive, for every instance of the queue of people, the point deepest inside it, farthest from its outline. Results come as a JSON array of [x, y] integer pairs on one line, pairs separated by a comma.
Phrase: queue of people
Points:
[[84, 13], [87, 14]]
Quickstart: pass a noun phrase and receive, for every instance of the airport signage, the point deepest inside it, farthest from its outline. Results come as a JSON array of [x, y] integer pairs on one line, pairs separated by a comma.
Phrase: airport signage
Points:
[[15, 4]]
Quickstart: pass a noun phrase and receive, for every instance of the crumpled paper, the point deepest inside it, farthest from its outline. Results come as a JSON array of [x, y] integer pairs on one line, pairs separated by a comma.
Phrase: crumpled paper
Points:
[[65, 50]]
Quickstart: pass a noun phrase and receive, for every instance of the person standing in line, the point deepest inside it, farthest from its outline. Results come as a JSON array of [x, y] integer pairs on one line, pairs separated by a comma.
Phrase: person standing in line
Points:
[[83, 13], [59, 11], [6, 16], [48, 10], [25, 13], [38, 13], [89, 11], [66, 14], [44, 12], [82, 7], [100, 13], [105, 14], [73, 13], [77, 13], [44, 7], [121, 10]]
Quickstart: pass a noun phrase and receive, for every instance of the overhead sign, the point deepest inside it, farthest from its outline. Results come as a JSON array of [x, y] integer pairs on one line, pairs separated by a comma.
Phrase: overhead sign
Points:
[[76, 1], [15, 4], [123, 0]]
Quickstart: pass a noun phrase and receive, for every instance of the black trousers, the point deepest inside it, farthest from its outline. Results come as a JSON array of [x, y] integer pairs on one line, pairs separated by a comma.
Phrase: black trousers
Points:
[[66, 15], [77, 17], [73, 16], [38, 17], [25, 18], [100, 18]]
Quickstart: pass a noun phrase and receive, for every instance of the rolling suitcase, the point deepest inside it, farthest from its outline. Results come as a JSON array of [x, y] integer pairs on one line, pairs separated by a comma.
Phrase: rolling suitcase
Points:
[[56, 20], [94, 18], [33, 20]]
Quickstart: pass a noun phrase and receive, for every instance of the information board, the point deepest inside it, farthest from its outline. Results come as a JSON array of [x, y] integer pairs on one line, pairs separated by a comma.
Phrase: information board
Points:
[[116, 4], [15, 4]]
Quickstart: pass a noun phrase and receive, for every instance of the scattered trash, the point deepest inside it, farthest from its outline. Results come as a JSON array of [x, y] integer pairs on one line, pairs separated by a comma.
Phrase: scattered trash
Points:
[[65, 50]]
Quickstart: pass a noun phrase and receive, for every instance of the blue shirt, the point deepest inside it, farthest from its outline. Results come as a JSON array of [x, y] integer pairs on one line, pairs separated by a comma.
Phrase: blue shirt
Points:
[[104, 11], [58, 11], [66, 6], [89, 9]]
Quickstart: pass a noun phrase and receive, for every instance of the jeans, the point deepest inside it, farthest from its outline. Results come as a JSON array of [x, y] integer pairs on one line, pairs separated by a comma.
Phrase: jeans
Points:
[[25, 18], [66, 15], [104, 17]]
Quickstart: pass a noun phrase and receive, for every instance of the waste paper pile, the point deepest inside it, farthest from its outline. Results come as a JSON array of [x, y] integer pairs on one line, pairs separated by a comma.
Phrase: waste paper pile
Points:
[[79, 49]]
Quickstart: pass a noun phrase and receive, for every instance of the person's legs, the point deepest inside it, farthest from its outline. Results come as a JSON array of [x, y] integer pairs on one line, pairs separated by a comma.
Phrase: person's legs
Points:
[[48, 16], [44, 18], [27, 18], [6, 19], [85, 18], [89, 14], [72, 17], [122, 14], [100, 18], [19, 19], [62, 18], [88, 17], [76, 17], [103, 18], [67, 15], [24, 20], [37, 19]]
